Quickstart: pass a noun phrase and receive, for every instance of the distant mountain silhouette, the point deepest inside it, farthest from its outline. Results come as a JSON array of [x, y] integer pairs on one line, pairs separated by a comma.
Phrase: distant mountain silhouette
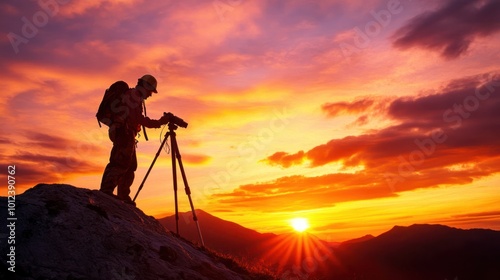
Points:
[[358, 240], [223, 236], [425, 252], [417, 252]]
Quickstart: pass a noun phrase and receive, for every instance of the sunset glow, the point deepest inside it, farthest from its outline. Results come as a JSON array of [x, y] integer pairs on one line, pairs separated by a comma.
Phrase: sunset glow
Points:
[[299, 224], [359, 115]]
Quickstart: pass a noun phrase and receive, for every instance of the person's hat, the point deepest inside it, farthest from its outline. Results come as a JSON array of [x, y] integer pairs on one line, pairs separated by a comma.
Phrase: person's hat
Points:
[[149, 82]]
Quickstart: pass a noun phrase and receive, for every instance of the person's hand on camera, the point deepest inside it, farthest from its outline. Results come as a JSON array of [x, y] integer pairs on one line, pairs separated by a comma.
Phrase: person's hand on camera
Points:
[[165, 118]]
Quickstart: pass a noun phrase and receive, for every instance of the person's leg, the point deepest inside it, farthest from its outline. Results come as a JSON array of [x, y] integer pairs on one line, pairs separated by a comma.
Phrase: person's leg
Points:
[[127, 179], [119, 159]]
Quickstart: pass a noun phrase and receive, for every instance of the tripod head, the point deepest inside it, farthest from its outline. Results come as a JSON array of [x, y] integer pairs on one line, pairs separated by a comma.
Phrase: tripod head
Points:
[[173, 119], [172, 126]]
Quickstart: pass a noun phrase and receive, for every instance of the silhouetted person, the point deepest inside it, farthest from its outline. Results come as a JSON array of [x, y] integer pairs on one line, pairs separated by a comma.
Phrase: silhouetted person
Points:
[[122, 132]]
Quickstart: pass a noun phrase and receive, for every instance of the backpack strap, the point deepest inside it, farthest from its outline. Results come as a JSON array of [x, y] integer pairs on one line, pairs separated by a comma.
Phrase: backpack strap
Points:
[[145, 114]]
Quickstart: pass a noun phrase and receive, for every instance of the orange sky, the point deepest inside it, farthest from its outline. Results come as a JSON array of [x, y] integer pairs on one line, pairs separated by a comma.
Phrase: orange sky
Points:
[[358, 116]]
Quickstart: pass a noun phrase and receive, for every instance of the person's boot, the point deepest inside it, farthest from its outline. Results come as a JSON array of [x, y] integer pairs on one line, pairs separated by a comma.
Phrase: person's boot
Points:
[[127, 200]]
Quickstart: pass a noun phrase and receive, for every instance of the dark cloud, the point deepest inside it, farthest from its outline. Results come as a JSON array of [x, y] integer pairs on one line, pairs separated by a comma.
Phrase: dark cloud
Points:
[[43, 140], [284, 159], [54, 144], [196, 159], [460, 93], [61, 163], [451, 29], [472, 219], [339, 108], [479, 214]]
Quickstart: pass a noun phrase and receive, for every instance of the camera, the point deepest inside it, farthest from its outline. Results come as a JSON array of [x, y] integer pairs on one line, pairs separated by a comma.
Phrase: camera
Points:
[[173, 119]]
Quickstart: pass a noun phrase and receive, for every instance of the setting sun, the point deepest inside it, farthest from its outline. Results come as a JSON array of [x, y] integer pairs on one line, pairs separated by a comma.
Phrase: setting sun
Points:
[[299, 224]]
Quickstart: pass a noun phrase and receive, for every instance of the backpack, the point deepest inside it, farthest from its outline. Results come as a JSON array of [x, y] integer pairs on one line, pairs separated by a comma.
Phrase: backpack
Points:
[[111, 105]]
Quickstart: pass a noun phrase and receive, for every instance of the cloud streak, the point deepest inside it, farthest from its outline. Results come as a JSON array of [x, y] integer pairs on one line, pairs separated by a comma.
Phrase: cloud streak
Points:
[[355, 107]]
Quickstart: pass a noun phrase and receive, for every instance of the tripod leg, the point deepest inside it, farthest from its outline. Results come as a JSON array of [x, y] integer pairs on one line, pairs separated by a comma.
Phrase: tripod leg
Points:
[[175, 149], [174, 175], [151, 166]]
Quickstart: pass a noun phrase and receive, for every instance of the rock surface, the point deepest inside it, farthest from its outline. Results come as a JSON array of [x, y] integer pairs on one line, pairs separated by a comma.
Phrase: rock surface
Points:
[[64, 232]]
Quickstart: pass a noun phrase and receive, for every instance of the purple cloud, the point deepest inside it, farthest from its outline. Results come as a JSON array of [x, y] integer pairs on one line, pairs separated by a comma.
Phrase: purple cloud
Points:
[[451, 29]]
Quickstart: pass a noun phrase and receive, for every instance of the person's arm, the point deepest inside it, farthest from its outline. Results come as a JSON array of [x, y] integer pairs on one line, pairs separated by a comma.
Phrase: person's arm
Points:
[[150, 123]]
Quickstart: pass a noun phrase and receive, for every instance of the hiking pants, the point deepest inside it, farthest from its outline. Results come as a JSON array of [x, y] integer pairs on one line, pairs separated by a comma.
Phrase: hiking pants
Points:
[[122, 162]]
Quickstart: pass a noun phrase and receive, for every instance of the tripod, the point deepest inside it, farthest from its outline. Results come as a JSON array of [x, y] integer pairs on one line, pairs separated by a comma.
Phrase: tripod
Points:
[[176, 155]]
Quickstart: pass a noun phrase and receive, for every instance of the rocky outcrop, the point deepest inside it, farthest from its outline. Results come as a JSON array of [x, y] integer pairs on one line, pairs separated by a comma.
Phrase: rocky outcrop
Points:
[[64, 232]]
